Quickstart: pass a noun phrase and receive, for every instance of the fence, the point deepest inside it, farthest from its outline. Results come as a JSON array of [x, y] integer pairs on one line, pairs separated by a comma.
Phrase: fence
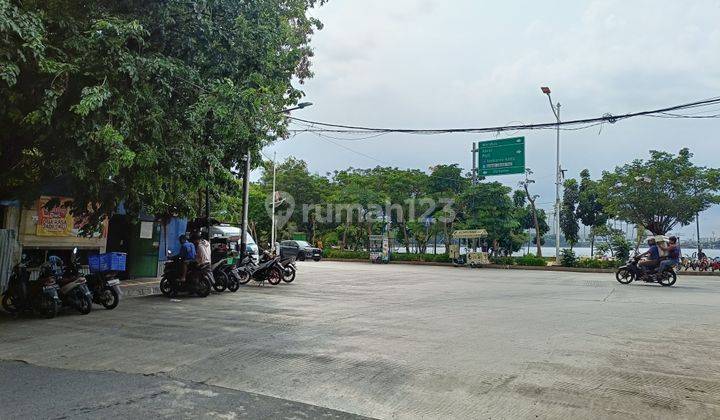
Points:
[[7, 251]]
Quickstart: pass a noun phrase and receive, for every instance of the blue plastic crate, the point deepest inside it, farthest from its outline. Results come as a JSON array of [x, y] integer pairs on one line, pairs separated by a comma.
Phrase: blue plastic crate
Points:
[[111, 261], [94, 263]]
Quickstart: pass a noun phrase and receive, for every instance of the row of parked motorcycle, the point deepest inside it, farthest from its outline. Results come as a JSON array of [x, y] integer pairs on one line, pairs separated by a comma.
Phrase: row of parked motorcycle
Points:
[[55, 289], [225, 274], [703, 264]]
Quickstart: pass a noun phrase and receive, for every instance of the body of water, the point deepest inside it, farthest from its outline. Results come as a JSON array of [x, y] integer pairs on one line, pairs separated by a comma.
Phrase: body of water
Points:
[[579, 251]]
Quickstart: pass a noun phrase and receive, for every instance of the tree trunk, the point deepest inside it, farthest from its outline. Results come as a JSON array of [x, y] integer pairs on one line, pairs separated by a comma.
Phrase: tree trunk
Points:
[[344, 236], [446, 239], [538, 240], [406, 239]]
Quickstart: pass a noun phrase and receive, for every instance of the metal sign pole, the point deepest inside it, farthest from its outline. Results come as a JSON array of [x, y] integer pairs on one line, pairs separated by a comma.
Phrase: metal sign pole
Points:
[[474, 167]]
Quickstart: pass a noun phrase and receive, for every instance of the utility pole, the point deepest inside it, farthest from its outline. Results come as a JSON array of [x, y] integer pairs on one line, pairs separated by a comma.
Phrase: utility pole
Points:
[[246, 199], [246, 186], [697, 225], [208, 127], [272, 223], [558, 173]]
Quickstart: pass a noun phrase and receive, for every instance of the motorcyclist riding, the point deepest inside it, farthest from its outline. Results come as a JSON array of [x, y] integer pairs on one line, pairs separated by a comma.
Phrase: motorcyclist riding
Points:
[[653, 256], [674, 254]]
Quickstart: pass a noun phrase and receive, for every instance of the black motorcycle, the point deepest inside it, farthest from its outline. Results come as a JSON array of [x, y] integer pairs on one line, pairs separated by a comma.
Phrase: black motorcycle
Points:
[[74, 291], [220, 277], [105, 288], [632, 271], [23, 295], [233, 277], [198, 281], [269, 269]]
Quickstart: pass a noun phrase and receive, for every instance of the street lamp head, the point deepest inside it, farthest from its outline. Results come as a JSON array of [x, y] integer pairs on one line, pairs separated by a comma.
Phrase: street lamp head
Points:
[[545, 90], [302, 105]]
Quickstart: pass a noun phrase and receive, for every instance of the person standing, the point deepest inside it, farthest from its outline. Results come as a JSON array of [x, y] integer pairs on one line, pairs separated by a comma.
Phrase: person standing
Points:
[[187, 253]]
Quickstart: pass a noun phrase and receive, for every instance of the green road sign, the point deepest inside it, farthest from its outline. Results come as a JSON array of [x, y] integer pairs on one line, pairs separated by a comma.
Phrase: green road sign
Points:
[[501, 157]]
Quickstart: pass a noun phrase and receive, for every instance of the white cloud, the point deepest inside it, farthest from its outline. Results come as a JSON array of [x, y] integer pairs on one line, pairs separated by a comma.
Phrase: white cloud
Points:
[[431, 63]]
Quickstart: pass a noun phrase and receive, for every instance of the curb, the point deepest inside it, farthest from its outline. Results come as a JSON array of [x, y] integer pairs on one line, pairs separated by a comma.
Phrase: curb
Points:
[[133, 290], [525, 267]]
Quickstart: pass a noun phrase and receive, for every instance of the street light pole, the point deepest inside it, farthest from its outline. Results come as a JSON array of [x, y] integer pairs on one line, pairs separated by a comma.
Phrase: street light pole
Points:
[[697, 225], [246, 187], [272, 223], [558, 173]]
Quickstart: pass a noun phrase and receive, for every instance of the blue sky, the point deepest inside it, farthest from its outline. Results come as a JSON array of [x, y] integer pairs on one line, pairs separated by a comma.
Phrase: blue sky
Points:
[[462, 63]]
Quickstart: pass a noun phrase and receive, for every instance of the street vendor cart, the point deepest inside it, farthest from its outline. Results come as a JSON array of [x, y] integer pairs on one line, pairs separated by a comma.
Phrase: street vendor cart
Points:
[[463, 249], [379, 249]]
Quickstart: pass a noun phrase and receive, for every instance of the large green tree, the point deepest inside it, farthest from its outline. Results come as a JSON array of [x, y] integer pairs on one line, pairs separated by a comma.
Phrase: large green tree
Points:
[[659, 193], [488, 205], [446, 182], [589, 209], [133, 100], [568, 214]]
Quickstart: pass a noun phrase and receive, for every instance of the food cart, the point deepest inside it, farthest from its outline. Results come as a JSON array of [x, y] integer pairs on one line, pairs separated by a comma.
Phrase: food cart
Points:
[[463, 250], [379, 249]]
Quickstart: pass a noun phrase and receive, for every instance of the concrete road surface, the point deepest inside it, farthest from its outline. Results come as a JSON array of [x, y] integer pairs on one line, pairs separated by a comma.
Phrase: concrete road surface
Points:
[[387, 341]]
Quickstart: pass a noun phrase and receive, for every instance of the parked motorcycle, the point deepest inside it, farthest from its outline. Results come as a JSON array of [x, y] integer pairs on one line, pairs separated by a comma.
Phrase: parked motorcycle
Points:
[[220, 277], [289, 269], [268, 269], [632, 271], [198, 280], [233, 277], [74, 291], [105, 289], [38, 296], [715, 264]]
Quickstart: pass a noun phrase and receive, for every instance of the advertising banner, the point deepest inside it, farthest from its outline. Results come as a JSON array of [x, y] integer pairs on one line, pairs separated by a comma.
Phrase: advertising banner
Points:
[[57, 221]]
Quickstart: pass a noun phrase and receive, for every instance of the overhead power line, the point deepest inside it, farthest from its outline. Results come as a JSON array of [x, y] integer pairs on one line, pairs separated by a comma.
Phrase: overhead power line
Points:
[[312, 126]]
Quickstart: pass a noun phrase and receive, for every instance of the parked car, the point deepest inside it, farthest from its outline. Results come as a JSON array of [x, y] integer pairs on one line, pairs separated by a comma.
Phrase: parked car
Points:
[[232, 235], [302, 249]]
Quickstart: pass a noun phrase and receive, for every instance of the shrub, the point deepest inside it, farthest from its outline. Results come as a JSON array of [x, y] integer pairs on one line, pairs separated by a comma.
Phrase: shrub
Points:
[[621, 247], [345, 254], [502, 260], [597, 263], [531, 260], [342, 254], [420, 257], [568, 258]]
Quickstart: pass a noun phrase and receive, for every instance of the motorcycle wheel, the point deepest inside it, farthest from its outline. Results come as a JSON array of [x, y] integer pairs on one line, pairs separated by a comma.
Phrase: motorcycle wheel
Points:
[[233, 284], [8, 304], [668, 278], [109, 298], [49, 307], [244, 277], [289, 275], [203, 287], [274, 276], [85, 305], [221, 281], [166, 287], [624, 276]]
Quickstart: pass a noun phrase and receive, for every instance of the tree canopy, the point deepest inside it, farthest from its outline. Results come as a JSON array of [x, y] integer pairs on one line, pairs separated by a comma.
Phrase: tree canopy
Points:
[[132, 101], [661, 192]]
